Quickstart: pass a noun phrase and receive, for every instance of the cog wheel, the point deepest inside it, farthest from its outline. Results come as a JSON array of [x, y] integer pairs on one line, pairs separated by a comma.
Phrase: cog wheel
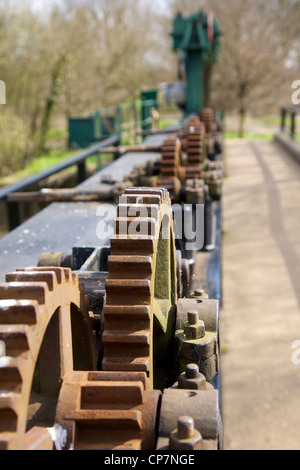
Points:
[[46, 329], [207, 116], [170, 167], [141, 290], [107, 410], [196, 154]]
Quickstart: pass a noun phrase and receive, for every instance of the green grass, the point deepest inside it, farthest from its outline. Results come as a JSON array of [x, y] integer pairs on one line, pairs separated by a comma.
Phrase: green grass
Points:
[[270, 120], [53, 158], [224, 350], [250, 135], [165, 123], [57, 134], [36, 165]]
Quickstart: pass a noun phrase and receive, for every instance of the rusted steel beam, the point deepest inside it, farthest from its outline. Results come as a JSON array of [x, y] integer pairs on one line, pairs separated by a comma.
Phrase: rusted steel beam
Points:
[[64, 195], [121, 150], [171, 130]]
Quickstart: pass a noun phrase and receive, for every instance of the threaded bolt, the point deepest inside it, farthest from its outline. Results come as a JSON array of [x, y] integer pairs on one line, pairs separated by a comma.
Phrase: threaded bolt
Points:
[[192, 371], [199, 292], [185, 427], [193, 317]]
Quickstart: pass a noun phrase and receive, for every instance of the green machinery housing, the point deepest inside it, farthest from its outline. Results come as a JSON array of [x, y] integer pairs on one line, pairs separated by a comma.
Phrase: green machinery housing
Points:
[[197, 40]]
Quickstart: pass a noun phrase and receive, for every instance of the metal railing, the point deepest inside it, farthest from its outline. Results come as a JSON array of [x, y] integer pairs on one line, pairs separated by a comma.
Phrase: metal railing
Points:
[[289, 127], [124, 122], [130, 119], [79, 160]]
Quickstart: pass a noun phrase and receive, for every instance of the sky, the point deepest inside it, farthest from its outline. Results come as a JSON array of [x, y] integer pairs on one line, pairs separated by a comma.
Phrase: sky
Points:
[[40, 4]]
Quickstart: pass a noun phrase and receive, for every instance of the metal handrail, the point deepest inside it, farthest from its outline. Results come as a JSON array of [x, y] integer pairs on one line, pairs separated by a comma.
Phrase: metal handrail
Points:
[[78, 160], [293, 111]]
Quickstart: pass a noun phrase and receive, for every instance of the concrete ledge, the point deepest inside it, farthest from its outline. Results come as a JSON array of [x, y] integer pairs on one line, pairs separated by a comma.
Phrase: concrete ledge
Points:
[[288, 144]]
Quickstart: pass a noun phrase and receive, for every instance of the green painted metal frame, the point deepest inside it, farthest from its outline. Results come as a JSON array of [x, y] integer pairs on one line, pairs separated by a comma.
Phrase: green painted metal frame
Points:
[[198, 39]]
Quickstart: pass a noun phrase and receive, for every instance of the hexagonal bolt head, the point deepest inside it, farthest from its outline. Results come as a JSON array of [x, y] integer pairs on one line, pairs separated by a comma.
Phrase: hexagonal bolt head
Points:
[[194, 328], [185, 437], [192, 379]]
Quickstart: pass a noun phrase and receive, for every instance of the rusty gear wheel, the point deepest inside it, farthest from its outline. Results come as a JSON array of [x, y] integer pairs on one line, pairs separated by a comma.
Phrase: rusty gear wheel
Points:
[[170, 167], [207, 116], [196, 154], [45, 326], [141, 290], [106, 410]]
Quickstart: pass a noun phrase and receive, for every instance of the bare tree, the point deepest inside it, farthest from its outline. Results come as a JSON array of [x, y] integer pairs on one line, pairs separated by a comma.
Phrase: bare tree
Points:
[[259, 49]]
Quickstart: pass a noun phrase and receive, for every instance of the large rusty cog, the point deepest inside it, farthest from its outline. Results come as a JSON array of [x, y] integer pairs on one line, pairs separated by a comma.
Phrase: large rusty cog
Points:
[[106, 410], [141, 290], [196, 153], [46, 329], [117, 408], [207, 116], [170, 171]]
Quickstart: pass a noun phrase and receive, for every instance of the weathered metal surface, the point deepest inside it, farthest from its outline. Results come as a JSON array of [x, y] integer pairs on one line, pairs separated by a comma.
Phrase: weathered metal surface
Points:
[[170, 168], [192, 379], [141, 281], [196, 150], [185, 436], [122, 149], [139, 297], [202, 405], [38, 309], [207, 115], [63, 195], [76, 160], [197, 336], [107, 410]]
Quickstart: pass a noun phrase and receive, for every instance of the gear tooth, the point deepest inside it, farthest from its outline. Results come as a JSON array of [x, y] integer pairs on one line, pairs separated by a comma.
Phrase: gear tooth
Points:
[[18, 312], [68, 274], [10, 375], [34, 276], [24, 291], [59, 272], [133, 210], [124, 245], [9, 413], [128, 292], [127, 336], [132, 312], [15, 338], [130, 267], [134, 227], [75, 278], [6, 440]]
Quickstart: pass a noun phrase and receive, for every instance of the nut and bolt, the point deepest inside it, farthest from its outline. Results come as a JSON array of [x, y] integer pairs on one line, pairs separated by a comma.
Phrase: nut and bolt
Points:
[[193, 317], [192, 371], [200, 293], [185, 437], [194, 328], [192, 379]]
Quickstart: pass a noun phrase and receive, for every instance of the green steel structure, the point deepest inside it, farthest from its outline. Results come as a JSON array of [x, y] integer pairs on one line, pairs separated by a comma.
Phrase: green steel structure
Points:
[[197, 39]]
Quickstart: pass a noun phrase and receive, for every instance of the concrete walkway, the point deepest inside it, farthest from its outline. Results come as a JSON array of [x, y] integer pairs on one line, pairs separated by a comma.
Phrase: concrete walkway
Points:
[[261, 295]]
